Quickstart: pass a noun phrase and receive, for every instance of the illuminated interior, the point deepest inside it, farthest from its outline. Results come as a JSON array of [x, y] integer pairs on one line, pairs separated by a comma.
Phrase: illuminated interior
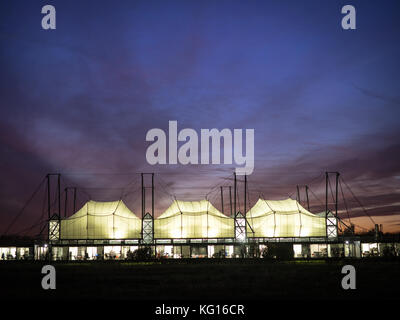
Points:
[[8, 253], [112, 252], [297, 250], [369, 249], [319, 250]]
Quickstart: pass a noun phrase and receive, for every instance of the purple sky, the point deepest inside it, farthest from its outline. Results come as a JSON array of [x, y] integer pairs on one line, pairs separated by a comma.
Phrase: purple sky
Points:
[[81, 98]]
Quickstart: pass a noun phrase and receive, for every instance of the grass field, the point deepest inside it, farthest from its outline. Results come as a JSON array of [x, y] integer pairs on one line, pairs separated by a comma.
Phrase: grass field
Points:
[[206, 280]]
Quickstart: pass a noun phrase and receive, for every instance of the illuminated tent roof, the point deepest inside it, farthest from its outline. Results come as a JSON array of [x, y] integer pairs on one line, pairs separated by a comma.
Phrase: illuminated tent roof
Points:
[[102, 220], [283, 218], [193, 219], [191, 208]]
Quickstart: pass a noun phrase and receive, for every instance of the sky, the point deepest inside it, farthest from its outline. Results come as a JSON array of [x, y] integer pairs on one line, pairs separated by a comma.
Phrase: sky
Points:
[[80, 99]]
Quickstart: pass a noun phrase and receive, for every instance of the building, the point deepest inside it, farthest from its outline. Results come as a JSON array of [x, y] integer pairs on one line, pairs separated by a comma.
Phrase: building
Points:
[[196, 229], [110, 230]]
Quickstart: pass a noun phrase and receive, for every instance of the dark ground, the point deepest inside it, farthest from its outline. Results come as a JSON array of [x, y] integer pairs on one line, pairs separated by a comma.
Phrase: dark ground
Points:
[[204, 280]]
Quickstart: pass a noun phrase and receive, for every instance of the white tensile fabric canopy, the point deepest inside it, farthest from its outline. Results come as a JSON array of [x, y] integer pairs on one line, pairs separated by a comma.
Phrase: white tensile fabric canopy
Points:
[[283, 218], [102, 220], [193, 219]]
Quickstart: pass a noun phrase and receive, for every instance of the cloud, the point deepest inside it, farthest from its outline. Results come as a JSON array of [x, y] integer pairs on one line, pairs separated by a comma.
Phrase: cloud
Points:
[[372, 94]]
